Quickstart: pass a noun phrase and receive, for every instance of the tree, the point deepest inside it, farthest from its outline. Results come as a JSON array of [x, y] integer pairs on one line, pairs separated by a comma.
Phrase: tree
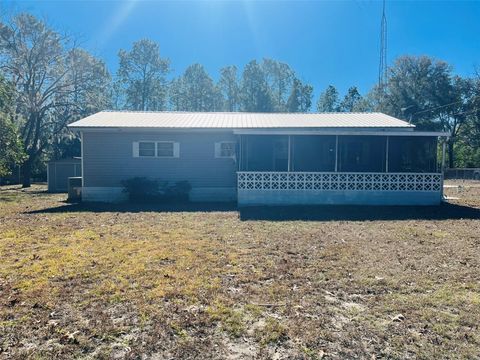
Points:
[[255, 92], [91, 83], [424, 91], [199, 90], [11, 148], [142, 75], [462, 122], [229, 87], [280, 79], [177, 95], [48, 80], [6, 96], [472, 126], [351, 100], [91, 92], [417, 89], [195, 91], [10, 145], [300, 99], [455, 114], [328, 100]]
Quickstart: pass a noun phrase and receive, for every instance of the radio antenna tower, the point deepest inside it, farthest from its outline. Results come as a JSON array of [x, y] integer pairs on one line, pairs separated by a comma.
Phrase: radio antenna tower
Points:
[[382, 69]]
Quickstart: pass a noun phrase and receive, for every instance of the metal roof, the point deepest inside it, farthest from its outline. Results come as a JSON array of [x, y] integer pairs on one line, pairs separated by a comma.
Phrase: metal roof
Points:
[[237, 120]]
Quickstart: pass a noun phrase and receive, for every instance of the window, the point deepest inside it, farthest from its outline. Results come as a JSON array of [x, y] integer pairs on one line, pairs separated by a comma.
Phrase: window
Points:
[[165, 149], [225, 149], [159, 149], [146, 148]]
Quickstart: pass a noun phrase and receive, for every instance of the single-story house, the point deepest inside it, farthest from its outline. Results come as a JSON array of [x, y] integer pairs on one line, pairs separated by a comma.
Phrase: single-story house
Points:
[[264, 158]]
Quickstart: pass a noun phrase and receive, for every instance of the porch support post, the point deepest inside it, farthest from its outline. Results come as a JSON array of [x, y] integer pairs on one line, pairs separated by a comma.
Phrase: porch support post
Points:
[[246, 153], [239, 157], [443, 154], [444, 142], [82, 144], [289, 165], [386, 155], [336, 153]]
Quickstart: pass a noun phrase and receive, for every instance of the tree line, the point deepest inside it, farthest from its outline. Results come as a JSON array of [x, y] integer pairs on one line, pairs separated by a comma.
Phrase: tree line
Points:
[[141, 84], [48, 81]]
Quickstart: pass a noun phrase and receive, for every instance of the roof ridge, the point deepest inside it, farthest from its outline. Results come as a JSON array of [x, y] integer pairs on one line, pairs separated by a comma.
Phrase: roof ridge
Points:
[[245, 112]]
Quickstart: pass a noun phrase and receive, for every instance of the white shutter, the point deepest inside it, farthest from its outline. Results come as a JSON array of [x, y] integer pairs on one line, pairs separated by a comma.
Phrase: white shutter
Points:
[[135, 149], [176, 149], [218, 149]]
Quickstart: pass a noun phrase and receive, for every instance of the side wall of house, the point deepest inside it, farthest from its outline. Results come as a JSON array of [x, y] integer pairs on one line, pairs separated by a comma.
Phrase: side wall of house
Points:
[[108, 159]]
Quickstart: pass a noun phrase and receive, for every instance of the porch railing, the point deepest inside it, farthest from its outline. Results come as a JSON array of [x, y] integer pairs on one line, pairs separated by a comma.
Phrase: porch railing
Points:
[[254, 180]]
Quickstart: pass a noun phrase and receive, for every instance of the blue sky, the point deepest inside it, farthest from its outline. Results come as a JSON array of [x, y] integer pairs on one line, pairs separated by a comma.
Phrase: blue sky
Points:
[[326, 42]]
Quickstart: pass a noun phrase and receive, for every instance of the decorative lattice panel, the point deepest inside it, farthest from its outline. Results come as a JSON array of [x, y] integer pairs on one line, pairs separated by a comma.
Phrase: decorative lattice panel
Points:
[[339, 181]]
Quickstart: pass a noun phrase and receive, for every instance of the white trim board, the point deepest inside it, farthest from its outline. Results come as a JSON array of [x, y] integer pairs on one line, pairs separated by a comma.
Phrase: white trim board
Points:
[[342, 132]]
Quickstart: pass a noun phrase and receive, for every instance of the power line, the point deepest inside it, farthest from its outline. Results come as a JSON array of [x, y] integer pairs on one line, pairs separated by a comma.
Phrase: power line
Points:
[[436, 108], [442, 106], [466, 112]]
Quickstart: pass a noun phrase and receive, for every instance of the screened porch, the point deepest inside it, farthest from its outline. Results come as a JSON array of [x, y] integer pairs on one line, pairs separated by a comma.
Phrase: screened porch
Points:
[[339, 169], [338, 153]]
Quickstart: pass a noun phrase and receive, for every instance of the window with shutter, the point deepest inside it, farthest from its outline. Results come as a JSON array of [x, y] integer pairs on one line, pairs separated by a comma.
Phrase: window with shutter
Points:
[[163, 149]]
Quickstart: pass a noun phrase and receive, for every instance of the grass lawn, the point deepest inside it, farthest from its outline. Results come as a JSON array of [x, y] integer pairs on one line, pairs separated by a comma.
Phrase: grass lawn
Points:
[[200, 281]]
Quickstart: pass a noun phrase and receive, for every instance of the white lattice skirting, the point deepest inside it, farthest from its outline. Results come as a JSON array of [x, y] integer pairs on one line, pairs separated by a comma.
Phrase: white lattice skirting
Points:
[[342, 188]]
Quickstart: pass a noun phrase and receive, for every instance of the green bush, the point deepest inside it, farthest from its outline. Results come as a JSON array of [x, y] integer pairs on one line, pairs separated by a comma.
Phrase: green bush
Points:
[[178, 191], [143, 190]]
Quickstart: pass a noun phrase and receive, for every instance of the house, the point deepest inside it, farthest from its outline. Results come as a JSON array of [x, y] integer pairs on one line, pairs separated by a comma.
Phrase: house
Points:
[[264, 158]]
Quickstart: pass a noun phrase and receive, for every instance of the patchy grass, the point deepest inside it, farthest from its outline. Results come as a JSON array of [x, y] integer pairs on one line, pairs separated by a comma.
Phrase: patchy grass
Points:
[[83, 281]]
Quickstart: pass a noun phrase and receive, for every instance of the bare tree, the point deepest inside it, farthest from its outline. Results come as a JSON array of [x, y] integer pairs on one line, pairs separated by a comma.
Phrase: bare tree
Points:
[[49, 76]]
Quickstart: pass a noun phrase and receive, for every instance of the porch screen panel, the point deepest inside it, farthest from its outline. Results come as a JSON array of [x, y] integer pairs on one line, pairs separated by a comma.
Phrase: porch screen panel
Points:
[[412, 154], [362, 153], [265, 153], [313, 153]]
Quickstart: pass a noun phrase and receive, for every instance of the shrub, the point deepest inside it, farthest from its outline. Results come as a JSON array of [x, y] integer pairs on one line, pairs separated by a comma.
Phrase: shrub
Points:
[[141, 189], [178, 191]]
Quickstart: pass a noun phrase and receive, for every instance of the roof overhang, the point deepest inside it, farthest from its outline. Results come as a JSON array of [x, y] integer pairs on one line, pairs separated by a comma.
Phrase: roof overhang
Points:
[[358, 132], [365, 131], [146, 129]]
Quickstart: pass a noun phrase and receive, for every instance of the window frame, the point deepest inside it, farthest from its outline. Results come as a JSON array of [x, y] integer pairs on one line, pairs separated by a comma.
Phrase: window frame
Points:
[[154, 149], [165, 142], [175, 149], [218, 155]]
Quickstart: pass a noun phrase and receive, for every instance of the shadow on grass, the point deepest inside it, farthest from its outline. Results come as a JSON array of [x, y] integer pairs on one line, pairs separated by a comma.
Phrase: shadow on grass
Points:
[[8, 198], [136, 208], [359, 213], [16, 194], [13, 190], [286, 213]]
